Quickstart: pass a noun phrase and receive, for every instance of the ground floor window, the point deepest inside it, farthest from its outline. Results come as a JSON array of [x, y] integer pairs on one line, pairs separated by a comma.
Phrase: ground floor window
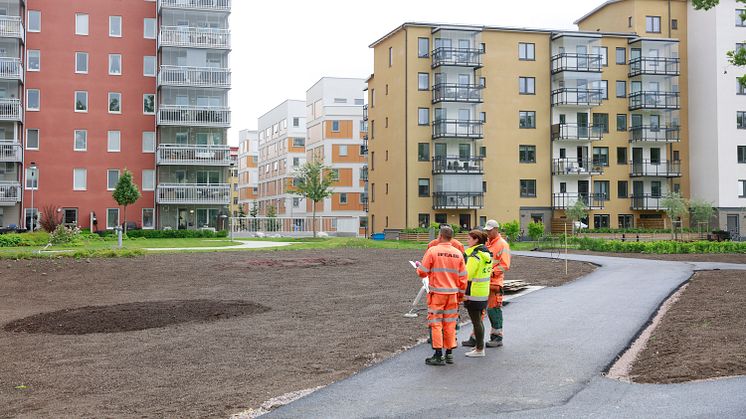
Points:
[[207, 217], [423, 220], [537, 218], [441, 218], [482, 220], [601, 221], [363, 222], [70, 217], [112, 218], [28, 213], [148, 218], [626, 221]]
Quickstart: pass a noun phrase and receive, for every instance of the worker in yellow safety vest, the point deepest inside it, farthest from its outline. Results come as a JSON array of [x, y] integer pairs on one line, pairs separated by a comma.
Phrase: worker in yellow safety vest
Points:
[[479, 273]]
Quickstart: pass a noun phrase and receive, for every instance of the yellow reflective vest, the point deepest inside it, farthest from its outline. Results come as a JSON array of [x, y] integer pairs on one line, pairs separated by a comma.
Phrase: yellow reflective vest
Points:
[[479, 271]]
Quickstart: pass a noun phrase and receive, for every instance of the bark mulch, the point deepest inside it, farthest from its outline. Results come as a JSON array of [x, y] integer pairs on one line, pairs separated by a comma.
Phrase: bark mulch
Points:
[[703, 335], [204, 334]]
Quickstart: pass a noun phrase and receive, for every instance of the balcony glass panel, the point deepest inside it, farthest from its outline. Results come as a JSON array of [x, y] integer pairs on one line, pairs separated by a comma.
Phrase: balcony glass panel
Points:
[[575, 132], [567, 200], [576, 62], [646, 202], [654, 134], [576, 167], [654, 66], [659, 169], [458, 165], [469, 93], [577, 97], [446, 128], [458, 200], [653, 100], [460, 57]]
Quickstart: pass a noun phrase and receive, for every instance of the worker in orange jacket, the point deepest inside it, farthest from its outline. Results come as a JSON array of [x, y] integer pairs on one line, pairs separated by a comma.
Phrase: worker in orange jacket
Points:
[[500, 250], [445, 267], [455, 243]]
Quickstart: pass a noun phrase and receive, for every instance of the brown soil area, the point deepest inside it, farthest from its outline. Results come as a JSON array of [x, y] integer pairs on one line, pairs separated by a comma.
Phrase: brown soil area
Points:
[[686, 257], [703, 335], [330, 314], [547, 272]]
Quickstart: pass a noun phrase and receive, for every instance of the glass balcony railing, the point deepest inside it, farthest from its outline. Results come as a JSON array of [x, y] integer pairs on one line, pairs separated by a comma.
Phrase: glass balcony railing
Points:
[[576, 167], [455, 128], [575, 132], [458, 200], [460, 93], [669, 169], [458, 165], [646, 202], [588, 63], [458, 57], [653, 100], [655, 66], [654, 134], [568, 200], [577, 97]]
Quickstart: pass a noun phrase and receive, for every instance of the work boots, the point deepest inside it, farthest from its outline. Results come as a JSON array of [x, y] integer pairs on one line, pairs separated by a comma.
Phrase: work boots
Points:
[[449, 358], [495, 341], [471, 342], [435, 360]]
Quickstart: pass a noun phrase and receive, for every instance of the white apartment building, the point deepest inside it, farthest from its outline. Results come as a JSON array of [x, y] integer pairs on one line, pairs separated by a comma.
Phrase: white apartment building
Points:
[[248, 172], [717, 113], [282, 140]]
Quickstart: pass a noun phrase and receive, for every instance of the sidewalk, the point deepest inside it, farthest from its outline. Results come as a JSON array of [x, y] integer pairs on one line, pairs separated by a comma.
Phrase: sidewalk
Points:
[[558, 341]]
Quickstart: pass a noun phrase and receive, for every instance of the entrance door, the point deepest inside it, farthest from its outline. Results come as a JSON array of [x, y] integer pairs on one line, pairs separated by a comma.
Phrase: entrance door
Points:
[[733, 227], [582, 155], [582, 120], [464, 220], [638, 194], [183, 218], [583, 188], [637, 160]]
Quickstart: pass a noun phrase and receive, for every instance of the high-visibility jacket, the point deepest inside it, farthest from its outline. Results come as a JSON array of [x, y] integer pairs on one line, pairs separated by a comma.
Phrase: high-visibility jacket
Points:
[[479, 272], [457, 244], [500, 250], [445, 267]]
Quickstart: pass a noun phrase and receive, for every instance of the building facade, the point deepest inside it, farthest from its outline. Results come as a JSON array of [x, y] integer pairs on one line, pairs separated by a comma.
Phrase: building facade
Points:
[[468, 123], [233, 181], [248, 158]]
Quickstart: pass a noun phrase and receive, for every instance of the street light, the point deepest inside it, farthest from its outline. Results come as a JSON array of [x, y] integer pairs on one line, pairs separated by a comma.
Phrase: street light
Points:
[[34, 184]]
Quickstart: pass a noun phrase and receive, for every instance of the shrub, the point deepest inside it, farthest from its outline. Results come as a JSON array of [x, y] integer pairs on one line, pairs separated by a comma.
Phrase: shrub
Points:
[[64, 235], [658, 247], [11, 240], [535, 230], [511, 230]]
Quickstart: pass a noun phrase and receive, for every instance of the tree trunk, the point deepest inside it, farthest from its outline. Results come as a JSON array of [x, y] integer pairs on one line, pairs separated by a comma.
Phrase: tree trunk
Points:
[[125, 220], [313, 219]]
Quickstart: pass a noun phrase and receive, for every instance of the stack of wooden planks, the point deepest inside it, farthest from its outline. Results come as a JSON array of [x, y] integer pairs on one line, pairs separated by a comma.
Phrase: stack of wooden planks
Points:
[[512, 286]]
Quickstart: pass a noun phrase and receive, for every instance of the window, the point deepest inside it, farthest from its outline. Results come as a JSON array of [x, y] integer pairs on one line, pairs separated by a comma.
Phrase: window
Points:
[[70, 216], [296, 122], [423, 47], [604, 53], [527, 85], [527, 119], [527, 154], [148, 142], [601, 221], [655, 188], [115, 26], [343, 150], [34, 60], [622, 189], [34, 21], [81, 24], [740, 21], [296, 161], [32, 139], [423, 151], [674, 24], [148, 180], [79, 179], [335, 126], [528, 188], [742, 188], [299, 142], [80, 140], [148, 218], [149, 25], [742, 153], [601, 188], [391, 56], [114, 141], [423, 220], [740, 88], [621, 55], [621, 122], [741, 120], [112, 178], [629, 21], [626, 221], [423, 81], [148, 66], [601, 120], [148, 104], [423, 187], [81, 62], [621, 88], [526, 51], [115, 102], [604, 89], [32, 179], [621, 155], [601, 156], [441, 218], [653, 24], [81, 101], [483, 82], [112, 218], [482, 151], [342, 198], [115, 64], [423, 116], [33, 100]]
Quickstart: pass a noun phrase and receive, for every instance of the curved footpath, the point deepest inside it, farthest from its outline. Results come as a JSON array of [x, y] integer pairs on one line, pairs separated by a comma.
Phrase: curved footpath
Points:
[[558, 341]]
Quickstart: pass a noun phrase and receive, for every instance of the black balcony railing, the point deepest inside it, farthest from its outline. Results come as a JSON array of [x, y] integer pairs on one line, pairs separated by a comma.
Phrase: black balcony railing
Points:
[[655, 169], [458, 200], [577, 97], [654, 134], [653, 100], [364, 174], [460, 57], [469, 93], [568, 200], [654, 66], [646, 202], [458, 165], [364, 201], [576, 167], [365, 112], [364, 147], [575, 132], [458, 128], [576, 62]]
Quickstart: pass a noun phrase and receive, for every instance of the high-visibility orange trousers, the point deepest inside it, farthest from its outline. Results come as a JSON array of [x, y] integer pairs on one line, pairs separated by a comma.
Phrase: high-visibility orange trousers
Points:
[[442, 316]]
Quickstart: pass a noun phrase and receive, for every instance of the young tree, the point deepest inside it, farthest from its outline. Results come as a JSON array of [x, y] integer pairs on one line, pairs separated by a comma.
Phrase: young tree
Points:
[[50, 218], [701, 212], [313, 181], [254, 211], [126, 193], [576, 213], [675, 206], [535, 230], [738, 57]]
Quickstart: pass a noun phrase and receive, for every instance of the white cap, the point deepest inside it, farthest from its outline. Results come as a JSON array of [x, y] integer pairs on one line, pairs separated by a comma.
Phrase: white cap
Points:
[[491, 224]]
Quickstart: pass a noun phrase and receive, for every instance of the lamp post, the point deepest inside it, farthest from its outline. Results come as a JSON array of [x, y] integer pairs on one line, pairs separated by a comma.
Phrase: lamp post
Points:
[[32, 174]]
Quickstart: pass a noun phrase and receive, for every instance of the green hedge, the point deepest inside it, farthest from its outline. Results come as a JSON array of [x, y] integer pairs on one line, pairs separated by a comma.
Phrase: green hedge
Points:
[[24, 239], [176, 234], [636, 230], [658, 247]]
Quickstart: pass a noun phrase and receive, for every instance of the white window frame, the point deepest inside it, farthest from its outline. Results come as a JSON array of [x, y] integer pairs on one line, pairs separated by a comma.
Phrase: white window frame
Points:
[[121, 66], [31, 29], [34, 182], [151, 186], [143, 104], [108, 227], [114, 135], [75, 102], [112, 33], [38, 138], [145, 28], [28, 59], [343, 150], [142, 219], [108, 104], [28, 102], [154, 66], [87, 63], [78, 29], [119, 174], [75, 140], [150, 134], [76, 173]]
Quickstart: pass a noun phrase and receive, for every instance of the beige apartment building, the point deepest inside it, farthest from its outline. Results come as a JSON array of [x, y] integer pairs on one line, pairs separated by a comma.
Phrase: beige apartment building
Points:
[[248, 159], [468, 123]]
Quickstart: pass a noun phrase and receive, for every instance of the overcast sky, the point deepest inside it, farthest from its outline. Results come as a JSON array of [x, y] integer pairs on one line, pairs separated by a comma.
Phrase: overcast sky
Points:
[[282, 47]]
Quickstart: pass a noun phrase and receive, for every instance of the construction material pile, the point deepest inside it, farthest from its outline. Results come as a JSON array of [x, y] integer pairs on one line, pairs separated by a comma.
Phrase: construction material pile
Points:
[[513, 286]]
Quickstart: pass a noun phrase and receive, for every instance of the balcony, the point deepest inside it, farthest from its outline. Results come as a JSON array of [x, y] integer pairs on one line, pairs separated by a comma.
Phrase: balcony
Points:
[[458, 93], [646, 168], [10, 193], [654, 134], [364, 174], [563, 201], [197, 5], [458, 165], [575, 132], [457, 57], [365, 112], [191, 37], [194, 116], [458, 200], [588, 63], [11, 152], [194, 77], [364, 147], [654, 66], [193, 193], [646, 202], [653, 100], [12, 27], [577, 97], [200, 155], [11, 69], [11, 110], [453, 128], [576, 167], [364, 201]]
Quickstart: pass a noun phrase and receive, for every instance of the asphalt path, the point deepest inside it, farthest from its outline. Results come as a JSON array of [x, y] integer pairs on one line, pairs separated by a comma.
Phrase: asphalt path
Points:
[[558, 343]]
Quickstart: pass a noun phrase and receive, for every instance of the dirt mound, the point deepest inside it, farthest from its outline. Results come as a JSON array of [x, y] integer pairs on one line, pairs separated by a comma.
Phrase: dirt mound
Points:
[[132, 316], [294, 263]]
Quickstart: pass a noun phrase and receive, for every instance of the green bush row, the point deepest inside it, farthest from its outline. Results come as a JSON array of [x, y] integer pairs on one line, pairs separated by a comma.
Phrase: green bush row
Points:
[[24, 239], [177, 234], [658, 247], [78, 254], [636, 230]]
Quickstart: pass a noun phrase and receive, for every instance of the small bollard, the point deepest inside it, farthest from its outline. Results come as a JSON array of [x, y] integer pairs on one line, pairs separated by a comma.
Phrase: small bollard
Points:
[[623, 238], [638, 237], [119, 236]]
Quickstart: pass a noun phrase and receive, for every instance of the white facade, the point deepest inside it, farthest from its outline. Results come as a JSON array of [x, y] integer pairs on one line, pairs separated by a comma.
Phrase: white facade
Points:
[[248, 174], [713, 106]]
